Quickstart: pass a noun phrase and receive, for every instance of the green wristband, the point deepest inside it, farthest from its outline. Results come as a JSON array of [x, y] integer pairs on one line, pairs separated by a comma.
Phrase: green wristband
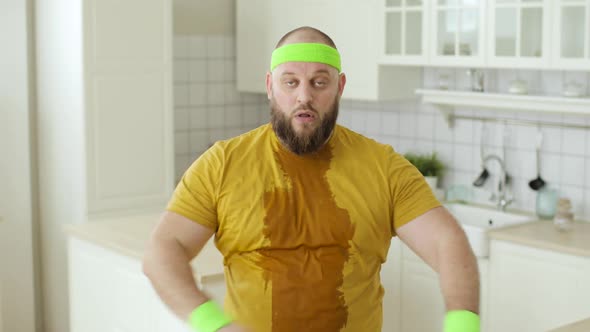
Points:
[[208, 317], [461, 321]]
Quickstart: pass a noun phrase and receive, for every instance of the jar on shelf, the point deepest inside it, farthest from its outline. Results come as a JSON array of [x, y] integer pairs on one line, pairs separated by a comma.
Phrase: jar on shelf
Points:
[[546, 203], [564, 218]]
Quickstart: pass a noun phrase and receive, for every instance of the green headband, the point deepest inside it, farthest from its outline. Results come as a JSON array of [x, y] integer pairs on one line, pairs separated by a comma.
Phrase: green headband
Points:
[[305, 52]]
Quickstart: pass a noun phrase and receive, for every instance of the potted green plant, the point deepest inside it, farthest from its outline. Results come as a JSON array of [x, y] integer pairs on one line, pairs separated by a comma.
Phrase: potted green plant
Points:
[[428, 164]]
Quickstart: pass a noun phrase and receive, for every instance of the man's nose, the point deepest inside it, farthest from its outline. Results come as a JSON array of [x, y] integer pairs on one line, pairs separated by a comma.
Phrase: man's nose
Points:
[[305, 93]]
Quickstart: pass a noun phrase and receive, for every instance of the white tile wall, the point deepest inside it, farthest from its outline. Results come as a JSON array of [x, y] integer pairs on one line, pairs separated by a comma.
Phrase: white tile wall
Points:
[[209, 108]]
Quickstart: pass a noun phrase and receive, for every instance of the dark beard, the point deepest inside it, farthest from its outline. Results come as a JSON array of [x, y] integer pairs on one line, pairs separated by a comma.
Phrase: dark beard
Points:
[[302, 143]]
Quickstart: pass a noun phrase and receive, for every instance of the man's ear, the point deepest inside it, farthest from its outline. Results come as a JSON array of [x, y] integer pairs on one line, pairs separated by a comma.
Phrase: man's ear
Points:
[[341, 83], [268, 85]]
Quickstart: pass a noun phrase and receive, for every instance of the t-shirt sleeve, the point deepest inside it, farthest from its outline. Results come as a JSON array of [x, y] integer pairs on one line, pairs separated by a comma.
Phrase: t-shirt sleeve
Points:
[[410, 193], [195, 196]]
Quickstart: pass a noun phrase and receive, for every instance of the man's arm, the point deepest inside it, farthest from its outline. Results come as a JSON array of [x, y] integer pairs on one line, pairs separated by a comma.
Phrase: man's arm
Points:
[[440, 241], [175, 241]]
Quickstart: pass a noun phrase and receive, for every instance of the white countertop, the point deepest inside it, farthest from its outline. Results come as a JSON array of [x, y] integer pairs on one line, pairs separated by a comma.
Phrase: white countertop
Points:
[[544, 235], [580, 326], [129, 235]]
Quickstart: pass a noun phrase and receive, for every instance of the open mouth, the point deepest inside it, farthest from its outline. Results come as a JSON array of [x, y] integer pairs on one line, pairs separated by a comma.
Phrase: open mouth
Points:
[[305, 115]]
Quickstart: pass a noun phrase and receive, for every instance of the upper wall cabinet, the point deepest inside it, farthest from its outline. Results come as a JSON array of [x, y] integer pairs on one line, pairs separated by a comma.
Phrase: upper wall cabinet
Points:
[[105, 105], [352, 24], [542, 34], [253, 43], [519, 33], [457, 32], [128, 104], [404, 23], [571, 34], [433, 32]]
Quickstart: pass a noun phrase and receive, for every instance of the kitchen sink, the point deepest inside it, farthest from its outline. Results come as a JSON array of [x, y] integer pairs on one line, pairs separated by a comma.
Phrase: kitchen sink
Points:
[[477, 221]]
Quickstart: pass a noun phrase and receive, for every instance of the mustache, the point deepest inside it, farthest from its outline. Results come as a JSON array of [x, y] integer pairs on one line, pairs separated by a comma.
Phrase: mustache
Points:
[[304, 107]]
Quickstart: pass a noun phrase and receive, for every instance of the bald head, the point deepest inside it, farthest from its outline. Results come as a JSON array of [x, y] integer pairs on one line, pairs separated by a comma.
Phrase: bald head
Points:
[[305, 35]]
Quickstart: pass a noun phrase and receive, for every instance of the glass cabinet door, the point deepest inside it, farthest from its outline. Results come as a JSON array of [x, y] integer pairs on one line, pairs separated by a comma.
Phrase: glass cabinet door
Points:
[[572, 37], [458, 32], [519, 33], [404, 29], [573, 34]]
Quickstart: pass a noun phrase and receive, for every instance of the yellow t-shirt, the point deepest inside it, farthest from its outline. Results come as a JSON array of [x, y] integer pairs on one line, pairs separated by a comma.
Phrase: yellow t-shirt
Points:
[[303, 237]]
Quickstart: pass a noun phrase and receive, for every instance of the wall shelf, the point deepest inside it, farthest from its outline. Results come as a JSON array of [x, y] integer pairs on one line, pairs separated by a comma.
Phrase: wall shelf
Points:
[[448, 100]]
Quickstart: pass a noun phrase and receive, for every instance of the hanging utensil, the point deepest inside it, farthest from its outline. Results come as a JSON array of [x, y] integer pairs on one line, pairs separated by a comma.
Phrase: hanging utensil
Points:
[[538, 182], [483, 176], [506, 132]]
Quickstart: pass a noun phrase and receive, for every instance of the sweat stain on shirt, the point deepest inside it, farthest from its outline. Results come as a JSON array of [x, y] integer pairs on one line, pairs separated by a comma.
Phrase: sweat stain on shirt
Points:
[[310, 236]]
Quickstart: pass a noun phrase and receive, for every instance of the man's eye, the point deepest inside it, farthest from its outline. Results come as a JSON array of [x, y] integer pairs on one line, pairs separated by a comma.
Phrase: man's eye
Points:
[[320, 83], [290, 83]]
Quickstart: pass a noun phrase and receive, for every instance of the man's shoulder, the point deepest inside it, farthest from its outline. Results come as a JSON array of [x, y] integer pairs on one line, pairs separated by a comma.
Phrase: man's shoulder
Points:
[[353, 140], [253, 139]]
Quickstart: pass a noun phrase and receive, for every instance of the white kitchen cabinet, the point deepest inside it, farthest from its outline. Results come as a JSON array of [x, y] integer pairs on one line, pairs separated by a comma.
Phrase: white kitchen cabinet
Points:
[[412, 292], [420, 295], [536, 290], [536, 34], [105, 103], [253, 44], [519, 34], [104, 124], [128, 106], [391, 281], [457, 33], [354, 27], [571, 34], [433, 32], [404, 24], [109, 292], [544, 34]]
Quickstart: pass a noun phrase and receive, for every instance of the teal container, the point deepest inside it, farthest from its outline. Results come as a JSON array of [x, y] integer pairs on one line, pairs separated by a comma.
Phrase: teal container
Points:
[[547, 203]]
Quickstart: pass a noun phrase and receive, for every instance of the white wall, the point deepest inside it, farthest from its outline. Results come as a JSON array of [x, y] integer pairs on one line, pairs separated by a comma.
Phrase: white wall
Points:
[[17, 248], [60, 126], [207, 106], [214, 17]]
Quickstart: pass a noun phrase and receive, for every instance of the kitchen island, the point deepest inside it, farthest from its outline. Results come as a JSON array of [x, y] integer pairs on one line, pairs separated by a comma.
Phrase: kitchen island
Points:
[[534, 270], [581, 326], [108, 290], [544, 235], [539, 277]]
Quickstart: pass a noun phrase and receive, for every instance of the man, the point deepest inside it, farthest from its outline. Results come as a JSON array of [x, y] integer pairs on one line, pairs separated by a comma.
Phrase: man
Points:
[[303, 212]]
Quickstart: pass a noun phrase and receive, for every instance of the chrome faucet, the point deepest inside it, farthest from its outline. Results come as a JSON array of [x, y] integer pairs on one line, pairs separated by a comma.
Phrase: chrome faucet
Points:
[[503, 201]]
